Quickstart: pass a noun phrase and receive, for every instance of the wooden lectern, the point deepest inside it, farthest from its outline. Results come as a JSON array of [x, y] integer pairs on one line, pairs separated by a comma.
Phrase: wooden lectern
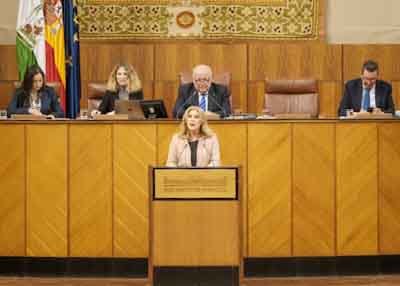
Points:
[[195, 226]]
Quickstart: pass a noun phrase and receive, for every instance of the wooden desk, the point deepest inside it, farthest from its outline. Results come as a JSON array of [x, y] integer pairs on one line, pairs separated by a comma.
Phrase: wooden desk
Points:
[[310, 187]]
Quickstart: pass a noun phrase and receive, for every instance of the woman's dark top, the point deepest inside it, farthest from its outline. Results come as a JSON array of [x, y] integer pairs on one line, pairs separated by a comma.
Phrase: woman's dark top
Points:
[[20, 102], [109, 98], [193, 152]]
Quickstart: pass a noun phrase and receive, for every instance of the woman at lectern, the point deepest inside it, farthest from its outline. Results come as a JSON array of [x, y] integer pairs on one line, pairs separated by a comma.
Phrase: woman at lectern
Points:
[[123, 84], [195, 145], [35, 97]]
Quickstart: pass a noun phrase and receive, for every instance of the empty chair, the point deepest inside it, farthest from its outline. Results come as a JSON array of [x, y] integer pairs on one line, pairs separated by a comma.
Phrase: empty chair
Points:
[[291, 97]]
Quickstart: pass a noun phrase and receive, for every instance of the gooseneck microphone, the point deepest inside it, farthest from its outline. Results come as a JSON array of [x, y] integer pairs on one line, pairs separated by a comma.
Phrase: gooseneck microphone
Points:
[[211, 96], [182, 108]]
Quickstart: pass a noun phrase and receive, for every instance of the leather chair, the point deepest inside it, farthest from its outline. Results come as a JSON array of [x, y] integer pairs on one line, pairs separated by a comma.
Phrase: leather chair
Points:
[[291, 97], [95, 94], [54, 84], [223, 78]]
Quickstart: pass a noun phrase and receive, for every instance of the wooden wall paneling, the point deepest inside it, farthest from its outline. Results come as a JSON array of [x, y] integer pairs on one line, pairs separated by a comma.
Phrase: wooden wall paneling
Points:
[[357, 188], [84, 92], [168, 91], [389, 181], [141, 57], [6, 91], [134, 151], [148, 89], [313, 189], [233, 147], [195, 233], [47, 190], [255, 96], [330, 94], [174, 58], [387, 56], [269, 190], [8, 63], [322, 20], [98, 59], [164, 136], [300, 60], [396, 94], [239, 96], [90, 175], [12, 188]]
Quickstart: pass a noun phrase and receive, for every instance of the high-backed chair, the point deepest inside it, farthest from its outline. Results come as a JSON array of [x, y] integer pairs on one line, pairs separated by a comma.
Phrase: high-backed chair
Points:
[[291, 96], [54, 84], [223, 78], [95, 94]]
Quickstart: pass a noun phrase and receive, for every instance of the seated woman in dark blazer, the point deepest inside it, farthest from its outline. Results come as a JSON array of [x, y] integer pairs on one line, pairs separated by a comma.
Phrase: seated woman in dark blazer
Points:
[[123, 84], [35, 97]]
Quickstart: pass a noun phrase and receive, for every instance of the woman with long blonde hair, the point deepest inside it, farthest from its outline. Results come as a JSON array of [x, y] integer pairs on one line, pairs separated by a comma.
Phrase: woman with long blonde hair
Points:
[[123, 84], [195, 145]]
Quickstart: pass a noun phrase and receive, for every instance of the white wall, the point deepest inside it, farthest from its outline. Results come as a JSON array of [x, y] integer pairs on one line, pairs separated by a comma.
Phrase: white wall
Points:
[[363, 21], [8, 21]]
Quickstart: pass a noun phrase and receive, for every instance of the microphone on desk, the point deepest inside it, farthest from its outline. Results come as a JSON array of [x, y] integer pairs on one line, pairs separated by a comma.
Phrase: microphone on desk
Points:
[[183, 106], [211, 96]]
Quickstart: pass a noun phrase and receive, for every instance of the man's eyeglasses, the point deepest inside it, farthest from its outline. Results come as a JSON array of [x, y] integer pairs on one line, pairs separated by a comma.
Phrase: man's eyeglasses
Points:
[[202, 80]]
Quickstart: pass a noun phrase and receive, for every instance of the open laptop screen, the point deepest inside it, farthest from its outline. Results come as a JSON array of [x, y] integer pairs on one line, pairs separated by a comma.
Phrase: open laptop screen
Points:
[[131, 107]]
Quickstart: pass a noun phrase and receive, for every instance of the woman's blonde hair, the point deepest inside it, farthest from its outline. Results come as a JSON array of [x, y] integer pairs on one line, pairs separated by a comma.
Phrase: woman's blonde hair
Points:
[[134, 83], [204, 129]]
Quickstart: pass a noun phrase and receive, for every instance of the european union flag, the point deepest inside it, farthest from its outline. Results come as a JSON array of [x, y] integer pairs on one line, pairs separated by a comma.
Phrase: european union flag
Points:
[[72, 52]]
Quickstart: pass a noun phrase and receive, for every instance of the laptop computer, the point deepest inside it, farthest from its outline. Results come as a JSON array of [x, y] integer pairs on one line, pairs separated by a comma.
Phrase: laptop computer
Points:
[[130, 107]]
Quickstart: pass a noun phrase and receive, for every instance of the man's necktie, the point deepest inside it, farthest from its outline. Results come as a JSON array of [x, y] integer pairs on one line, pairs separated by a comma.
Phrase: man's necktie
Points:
[[203, 102], [365, 104]]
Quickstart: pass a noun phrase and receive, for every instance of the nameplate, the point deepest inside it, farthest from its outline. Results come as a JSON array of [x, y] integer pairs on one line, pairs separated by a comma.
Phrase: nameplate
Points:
[[111, 117], [367, 115], [195, 183], [28, 117], [293, 116]]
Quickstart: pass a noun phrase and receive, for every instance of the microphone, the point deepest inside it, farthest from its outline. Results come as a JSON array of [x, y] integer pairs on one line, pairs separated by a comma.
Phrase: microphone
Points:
[[211, 96], [183, 106]]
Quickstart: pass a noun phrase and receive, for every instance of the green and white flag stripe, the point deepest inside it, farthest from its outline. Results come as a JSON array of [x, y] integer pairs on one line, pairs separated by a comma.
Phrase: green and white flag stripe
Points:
[[30, 36]]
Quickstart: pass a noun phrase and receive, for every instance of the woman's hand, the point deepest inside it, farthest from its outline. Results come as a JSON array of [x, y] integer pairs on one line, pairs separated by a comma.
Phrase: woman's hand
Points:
[[35, 111]]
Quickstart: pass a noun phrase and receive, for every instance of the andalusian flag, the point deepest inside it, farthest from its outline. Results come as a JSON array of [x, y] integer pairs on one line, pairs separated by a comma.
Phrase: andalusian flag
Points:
[[40, 40], [30, 36], [55, 47]]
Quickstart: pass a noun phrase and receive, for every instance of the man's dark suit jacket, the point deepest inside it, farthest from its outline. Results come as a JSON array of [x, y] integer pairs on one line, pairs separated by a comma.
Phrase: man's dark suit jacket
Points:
[[218, 99], [353, 95], [49, 102], [108, 102]]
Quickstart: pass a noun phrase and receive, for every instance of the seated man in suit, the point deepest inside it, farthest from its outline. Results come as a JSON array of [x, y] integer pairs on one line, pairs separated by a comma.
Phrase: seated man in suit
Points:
[[367, 92], [211, 97]]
